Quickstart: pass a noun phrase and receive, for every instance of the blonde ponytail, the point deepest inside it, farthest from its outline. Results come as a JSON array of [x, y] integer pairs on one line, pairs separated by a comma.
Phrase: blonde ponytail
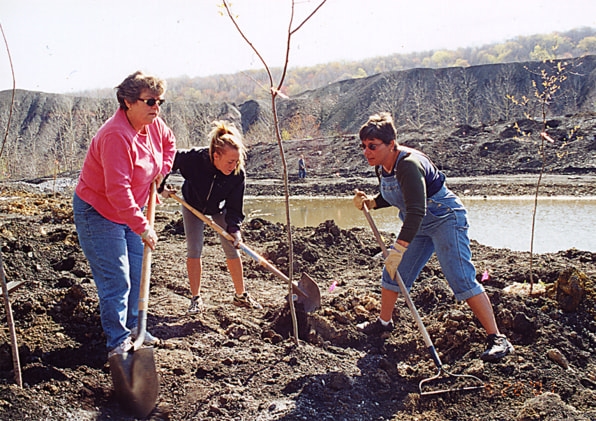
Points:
[[225, 134]]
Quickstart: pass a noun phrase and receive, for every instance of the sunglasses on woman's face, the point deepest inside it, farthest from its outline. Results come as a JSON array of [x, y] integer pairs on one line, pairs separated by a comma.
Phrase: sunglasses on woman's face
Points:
[[152, 101], [371, 146]]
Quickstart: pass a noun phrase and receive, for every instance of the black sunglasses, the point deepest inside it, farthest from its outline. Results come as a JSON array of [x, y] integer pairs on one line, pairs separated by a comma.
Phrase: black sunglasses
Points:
[[152, 101], [371, 146]]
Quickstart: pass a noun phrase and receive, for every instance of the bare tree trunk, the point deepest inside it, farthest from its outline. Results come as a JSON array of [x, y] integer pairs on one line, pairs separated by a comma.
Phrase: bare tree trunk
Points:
[[275, 90]]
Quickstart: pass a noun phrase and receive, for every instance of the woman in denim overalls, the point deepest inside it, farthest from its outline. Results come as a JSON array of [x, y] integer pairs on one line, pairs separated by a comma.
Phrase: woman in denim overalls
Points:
[[434, 221]]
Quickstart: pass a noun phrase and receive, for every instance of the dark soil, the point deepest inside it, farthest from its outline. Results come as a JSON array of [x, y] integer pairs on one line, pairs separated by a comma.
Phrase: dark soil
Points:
[[237, 364]]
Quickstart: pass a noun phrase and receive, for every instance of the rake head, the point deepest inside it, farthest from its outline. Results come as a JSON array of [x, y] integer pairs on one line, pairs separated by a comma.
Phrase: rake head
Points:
[[446, 382]]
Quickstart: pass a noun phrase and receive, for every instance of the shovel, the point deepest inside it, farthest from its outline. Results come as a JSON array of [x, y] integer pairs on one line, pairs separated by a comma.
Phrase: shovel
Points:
[[466, 381], [133, 373], [306, 290]]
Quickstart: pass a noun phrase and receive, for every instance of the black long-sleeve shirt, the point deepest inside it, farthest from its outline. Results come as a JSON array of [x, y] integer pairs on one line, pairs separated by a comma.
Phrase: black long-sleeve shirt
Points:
[[209, 190]]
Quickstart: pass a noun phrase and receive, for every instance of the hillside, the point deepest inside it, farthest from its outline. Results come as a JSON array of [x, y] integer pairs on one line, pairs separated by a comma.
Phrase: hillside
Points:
[[496, 149], [240, 87], [231, 364], [464, 117]]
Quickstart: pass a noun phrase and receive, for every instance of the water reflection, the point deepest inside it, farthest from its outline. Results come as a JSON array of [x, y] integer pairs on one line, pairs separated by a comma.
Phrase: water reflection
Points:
[[504, 222]]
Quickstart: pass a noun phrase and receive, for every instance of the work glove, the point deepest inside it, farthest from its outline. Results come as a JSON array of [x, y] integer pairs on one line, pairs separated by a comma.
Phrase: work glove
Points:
[[149, 237], [361, 198], [393, 259], [168, 190], [237, 238]]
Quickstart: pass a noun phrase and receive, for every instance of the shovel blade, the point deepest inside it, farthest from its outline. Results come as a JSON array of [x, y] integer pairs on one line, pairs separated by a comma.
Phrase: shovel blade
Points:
[[135, 380], [307, 293]]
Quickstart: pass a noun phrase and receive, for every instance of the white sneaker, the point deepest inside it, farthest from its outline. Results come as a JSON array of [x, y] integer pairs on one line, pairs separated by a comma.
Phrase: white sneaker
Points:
[[123, 348], [497, 347], [196, 304]]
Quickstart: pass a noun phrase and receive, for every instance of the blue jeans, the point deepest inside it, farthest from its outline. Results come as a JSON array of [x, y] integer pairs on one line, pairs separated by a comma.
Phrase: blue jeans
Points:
[[444, 230], [115, 255]]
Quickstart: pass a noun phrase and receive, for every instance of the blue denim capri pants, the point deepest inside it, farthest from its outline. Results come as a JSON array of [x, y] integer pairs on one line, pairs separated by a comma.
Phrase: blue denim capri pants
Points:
[[444, 231]]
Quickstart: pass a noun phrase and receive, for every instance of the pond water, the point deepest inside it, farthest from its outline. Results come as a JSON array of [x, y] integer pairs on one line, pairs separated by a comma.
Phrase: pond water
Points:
[[503, 222]]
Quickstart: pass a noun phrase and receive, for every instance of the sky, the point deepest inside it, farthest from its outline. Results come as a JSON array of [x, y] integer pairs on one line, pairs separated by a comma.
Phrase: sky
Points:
[[66, 46]]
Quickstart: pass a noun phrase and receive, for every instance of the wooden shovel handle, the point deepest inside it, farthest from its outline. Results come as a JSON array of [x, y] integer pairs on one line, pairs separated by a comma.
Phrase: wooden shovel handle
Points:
[[253, 254], [147, 253]]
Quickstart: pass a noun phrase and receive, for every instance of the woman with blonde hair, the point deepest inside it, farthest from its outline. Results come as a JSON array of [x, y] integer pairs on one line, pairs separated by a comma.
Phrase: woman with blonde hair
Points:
[[214, 181]]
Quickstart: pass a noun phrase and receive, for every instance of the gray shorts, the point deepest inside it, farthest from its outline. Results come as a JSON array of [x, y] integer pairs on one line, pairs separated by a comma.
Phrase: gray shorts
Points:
[[194, 227]]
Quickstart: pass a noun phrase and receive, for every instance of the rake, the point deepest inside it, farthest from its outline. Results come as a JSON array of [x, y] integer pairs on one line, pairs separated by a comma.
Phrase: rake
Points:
[[469, 381]]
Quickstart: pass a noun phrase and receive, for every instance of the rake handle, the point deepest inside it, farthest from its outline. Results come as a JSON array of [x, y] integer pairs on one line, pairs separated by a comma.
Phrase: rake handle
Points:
[[206, 219], [427, 341]]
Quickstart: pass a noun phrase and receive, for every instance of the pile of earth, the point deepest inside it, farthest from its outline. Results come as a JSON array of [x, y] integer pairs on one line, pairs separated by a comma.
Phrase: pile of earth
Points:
[[229, 363]]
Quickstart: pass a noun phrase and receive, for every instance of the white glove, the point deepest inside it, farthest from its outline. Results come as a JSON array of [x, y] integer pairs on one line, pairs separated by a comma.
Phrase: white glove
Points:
[[149, 237], [393, 259], [237, 238], [361, 198]]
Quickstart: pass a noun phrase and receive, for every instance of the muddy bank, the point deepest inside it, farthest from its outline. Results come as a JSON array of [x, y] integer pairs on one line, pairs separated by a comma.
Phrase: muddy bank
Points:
[[229, 363]]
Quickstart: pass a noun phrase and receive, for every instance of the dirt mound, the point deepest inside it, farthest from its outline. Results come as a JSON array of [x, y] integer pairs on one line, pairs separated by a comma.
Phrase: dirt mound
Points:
[[230, 364]]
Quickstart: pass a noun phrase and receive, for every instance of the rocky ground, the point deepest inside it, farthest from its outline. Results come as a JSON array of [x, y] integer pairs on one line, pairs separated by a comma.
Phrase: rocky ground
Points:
[[236, 364]]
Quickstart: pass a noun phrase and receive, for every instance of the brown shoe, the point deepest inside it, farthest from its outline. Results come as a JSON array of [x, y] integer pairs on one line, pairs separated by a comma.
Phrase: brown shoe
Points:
[[245, 300]]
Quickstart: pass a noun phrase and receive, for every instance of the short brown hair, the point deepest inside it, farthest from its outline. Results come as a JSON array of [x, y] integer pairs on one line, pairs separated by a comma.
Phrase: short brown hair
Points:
[[379, 126], [130, 89]]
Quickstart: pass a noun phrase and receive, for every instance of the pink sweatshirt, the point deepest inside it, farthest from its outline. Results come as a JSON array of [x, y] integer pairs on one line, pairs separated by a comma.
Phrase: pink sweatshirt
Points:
[[120, 166]]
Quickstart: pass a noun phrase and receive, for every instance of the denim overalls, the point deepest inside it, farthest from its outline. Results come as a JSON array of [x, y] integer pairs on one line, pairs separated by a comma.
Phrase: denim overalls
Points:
[[444, 230]]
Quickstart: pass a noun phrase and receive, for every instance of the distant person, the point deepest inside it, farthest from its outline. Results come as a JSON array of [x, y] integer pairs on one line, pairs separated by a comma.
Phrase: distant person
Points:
[[132, 149], [214, 181], [301, 167], [434, 221]]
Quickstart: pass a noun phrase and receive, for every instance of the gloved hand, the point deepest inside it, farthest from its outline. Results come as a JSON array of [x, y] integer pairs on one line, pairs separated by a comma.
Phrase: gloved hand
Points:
[[149, 237], [168, 190], [361, 198], [237, 238], [393, 259]]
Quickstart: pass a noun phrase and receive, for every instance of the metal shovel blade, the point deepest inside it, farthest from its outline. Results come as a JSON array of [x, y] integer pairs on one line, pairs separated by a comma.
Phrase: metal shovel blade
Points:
[[307, 293], [135, 380]]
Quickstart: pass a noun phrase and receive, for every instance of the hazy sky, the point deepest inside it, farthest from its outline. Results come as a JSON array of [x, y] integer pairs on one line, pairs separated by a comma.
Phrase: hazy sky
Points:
[[70, 45]]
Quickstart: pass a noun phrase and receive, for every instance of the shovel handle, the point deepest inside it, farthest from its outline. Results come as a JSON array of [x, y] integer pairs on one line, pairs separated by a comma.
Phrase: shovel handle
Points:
[[404, 291], [297, 289], [145, 274], [253, 254], [203, 218], [147, 252]]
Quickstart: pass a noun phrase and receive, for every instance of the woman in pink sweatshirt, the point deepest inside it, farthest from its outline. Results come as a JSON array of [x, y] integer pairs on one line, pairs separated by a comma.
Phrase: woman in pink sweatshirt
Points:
[[133, 149]]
